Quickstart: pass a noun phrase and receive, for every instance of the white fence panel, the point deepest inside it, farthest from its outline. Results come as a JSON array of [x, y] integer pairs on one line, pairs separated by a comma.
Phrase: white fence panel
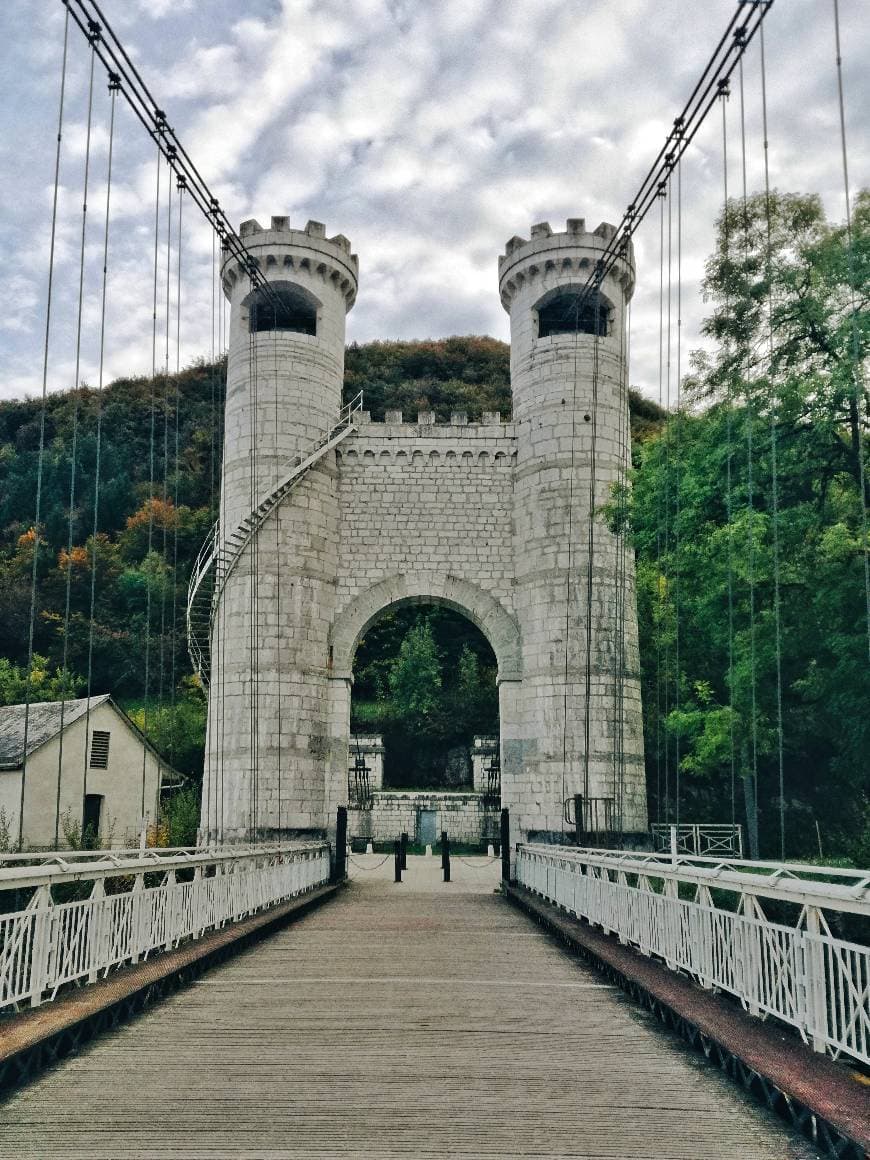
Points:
[[801, 975], [50, 945]]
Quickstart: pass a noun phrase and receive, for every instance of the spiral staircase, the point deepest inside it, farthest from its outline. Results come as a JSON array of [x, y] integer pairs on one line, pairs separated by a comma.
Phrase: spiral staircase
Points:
[[220, 553]]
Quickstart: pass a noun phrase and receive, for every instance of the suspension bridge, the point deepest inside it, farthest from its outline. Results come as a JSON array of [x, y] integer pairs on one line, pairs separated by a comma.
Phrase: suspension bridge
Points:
[[604, 984]]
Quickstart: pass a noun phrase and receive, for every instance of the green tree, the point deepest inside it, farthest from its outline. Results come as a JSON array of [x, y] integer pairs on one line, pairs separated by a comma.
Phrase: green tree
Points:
[[45, 684], [415, 682], [782, 379]]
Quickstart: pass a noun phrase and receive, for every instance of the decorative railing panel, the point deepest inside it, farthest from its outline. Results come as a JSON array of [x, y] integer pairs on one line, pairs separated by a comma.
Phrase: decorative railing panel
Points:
[[801, 974], [702, 840], [52, 944]]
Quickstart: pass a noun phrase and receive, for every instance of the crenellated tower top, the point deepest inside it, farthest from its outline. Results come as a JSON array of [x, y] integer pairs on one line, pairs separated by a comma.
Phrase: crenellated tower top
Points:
[[284, 253], [560, 258]]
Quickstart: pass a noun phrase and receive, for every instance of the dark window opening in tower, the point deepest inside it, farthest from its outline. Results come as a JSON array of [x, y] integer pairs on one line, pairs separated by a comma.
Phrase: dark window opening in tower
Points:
[[572, 312], [283, 308]]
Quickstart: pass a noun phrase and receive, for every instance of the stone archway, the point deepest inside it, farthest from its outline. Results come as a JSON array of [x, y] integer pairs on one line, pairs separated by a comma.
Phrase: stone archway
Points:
[[482, 609], [494, 621]]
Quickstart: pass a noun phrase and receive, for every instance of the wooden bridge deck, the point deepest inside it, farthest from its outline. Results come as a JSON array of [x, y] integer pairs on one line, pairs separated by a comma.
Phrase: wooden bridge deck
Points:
[[419, 1020]]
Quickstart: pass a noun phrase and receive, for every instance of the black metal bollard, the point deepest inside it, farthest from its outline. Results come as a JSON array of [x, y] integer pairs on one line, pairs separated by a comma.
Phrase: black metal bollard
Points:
[[505, 845], [397, 860], [339, 869], [578, 819], [404, 851], [445, 855]]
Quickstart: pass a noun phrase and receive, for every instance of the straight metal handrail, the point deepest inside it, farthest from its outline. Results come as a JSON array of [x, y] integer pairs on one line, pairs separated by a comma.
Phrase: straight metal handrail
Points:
[[831, 887]]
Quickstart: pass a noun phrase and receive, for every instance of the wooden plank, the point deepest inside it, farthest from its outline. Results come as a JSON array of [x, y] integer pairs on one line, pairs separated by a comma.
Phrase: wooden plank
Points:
[[416, 1020], [28, 1030]]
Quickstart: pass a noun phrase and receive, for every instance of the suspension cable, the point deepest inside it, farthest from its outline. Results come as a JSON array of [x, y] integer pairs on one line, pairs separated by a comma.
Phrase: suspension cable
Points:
[[180, 184], [576, 310], [858, 399], [777, 614], [725, 93], [278, 584], [726, 56], [28, 686], [74, 452], [658, 597], [89, 16], [677, 485], [161, 707], [113, 91], [667, 488], [590, 563], [750, 503], [147, 674]]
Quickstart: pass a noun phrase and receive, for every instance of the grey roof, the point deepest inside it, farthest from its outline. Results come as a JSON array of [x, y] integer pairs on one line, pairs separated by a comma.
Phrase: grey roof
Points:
[[43, 723]]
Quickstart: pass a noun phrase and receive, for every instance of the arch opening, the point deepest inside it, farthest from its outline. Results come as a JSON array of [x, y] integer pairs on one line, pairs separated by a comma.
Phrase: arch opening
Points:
[[285, 306], [425, 684], [568, 310]]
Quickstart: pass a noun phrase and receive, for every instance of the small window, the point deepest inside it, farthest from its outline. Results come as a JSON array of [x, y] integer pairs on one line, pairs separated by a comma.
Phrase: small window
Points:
[[100, 749], [569, 313]]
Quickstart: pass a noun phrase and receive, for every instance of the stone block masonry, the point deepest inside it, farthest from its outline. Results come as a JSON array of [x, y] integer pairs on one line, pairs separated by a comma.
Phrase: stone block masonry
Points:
[[499, 520], [424, 816]]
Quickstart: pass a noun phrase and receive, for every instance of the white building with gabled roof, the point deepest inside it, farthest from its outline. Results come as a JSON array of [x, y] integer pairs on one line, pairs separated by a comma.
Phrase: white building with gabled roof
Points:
[[77, 767]]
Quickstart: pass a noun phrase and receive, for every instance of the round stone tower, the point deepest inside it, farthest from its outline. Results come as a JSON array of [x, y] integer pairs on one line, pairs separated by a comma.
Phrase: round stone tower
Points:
[[574, 596], [266, 750]]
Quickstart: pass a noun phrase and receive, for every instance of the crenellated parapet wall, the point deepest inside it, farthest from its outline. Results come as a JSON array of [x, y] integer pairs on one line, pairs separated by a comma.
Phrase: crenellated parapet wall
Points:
[[490, 442]]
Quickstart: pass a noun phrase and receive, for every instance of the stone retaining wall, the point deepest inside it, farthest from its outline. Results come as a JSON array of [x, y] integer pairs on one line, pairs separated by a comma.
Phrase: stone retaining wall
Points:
[[394, 813]]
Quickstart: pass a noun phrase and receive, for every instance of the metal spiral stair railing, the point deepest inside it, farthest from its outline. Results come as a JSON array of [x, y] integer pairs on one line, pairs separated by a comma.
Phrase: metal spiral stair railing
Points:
[[219, 555]]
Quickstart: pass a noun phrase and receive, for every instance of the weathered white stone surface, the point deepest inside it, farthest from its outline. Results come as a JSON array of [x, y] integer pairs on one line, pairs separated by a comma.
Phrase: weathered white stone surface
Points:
[[489, 518], [396, 812]]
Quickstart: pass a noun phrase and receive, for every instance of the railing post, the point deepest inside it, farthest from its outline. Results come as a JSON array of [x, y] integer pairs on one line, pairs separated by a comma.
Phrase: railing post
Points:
[[41, 905], [397, 860], [815, 990], [505, 838], [339, 869], [96, 928], [673, 845], [169, 910], [578, 819], [136, 918]]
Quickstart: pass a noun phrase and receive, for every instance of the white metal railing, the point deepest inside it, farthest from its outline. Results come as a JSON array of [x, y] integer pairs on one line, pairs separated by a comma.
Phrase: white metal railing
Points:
[[800, 974], [50, 944], [698, 839], [223, 547]]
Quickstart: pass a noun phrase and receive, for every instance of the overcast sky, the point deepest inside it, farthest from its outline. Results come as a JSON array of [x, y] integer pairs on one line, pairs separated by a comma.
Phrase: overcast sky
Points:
[[427, 131]]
